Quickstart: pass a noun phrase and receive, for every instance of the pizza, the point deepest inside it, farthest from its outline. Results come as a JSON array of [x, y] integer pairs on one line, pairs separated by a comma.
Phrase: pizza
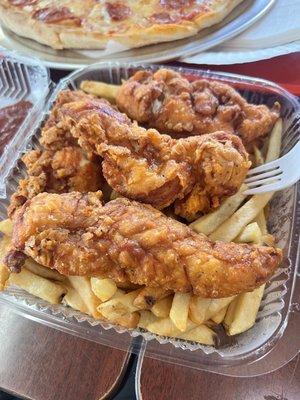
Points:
[[90, 24]]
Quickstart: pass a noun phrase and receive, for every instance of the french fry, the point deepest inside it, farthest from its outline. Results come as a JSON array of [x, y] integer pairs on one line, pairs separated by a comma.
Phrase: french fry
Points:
[[103, 288], [6, 227], [162, 308], [73, 300], [275, 139], [146, 318], [219, 317], [201, 334], [38, 286], [180, 310], [148, 296], [129, 321], [250, 234], [242, 312], [231, 228], [262, 223], [118, 293], [40, 270], [83, 286], [202, 309], [5, 244], [259, 159], [210, 222], [166, 327], [100, 89], [122, 305]]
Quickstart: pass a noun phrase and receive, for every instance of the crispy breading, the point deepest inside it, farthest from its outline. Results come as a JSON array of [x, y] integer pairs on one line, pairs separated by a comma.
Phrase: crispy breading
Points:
[[75, 234], [58, 171], [167, 101], [54, 136], [147, 166]]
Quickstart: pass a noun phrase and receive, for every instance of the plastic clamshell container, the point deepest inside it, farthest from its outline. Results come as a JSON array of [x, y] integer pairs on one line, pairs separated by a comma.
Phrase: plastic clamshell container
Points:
[[250, 353], [20, 79]]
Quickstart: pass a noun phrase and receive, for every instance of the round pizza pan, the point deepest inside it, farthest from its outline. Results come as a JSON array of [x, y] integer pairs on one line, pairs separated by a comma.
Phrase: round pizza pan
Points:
[[243, 16]]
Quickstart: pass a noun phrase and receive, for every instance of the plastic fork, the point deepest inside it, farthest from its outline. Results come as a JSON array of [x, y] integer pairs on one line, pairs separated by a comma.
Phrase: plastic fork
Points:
[[275, 175]]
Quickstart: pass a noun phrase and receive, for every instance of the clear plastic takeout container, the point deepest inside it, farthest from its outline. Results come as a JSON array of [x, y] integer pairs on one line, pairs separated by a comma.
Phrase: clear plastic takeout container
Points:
[[251, 353]]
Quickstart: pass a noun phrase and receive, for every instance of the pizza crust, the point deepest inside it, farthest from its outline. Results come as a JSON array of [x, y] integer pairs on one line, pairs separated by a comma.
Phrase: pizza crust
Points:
[[59, 36]]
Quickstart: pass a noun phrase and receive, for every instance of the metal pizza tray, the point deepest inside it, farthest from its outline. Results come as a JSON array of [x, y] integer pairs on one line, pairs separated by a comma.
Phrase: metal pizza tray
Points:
[[243, 16]]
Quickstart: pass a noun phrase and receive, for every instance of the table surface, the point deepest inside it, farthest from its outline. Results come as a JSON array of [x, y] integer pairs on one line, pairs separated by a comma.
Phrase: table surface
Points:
[[41, 363]]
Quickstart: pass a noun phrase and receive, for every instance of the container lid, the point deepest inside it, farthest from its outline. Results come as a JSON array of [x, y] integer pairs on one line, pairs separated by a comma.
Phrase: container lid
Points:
[[24, 85]]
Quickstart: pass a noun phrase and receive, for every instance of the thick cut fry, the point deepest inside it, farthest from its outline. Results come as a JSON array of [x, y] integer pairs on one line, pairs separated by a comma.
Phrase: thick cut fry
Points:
[[275, 142], [259, 159], [250, 234], [210, 222], [180, 310], [162, 308], [100, 89], [72, 299], [118, 293], [47, 273], [201, 334], [166, 327], [202, 309], [83, 286], [38, 286], [146, 318], [6, 227], [262, 223], [242, 312], [122, 305], [219, 317], [129, 321], [5, 244], [230, 229], [148, 296], [104, 288]]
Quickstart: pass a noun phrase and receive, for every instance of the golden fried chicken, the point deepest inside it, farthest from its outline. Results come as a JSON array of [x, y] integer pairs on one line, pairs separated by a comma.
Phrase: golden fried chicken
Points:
[[126, 240], [54, 136], [167, 101], [152, 168], [58, 171]]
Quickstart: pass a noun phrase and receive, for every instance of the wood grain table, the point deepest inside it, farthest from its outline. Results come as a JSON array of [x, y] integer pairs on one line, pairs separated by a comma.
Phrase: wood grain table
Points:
[[161, 381], [40, 363]]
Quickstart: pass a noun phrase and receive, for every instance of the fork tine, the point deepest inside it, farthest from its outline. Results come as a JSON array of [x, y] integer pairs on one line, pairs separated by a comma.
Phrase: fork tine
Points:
[[265, 181], [272, 173], [263, 168], [273, 187]]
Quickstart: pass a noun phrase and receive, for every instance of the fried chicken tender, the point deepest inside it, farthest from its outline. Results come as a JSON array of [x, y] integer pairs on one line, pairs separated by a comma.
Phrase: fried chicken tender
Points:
[[167, 101], [152, 168], [54, 135], [126, 240], [58, 171]]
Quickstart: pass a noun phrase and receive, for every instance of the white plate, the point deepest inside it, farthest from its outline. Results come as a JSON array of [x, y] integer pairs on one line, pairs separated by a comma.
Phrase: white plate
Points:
[[221, 56], [243, 16]]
